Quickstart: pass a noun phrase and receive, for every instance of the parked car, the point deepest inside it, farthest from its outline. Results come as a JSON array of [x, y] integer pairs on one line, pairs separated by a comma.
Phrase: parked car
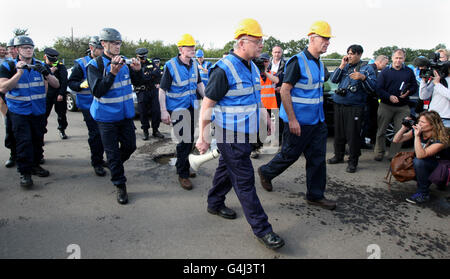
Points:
[[415, 104], [72, 99]]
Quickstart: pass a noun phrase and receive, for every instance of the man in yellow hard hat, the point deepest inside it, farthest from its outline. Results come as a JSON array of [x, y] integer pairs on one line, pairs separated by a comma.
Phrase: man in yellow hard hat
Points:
[[178, 100], [302, 111], [233, 93]]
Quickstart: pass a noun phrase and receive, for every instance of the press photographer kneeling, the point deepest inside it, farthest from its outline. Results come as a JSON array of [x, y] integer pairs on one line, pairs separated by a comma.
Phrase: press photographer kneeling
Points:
[[430, 141]]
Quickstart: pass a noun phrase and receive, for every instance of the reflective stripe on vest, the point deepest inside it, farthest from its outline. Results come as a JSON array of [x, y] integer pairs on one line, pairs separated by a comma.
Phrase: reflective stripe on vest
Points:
[[310, 85], [307, 94], [117, 104], [238, 110], [28, 97], [114, 100], [268, 97], [182, 92]]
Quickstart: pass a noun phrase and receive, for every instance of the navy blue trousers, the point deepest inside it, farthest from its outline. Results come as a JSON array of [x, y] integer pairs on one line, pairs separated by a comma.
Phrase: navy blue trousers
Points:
[[29, 134], [148, 101], [182, 125], [119, 142], [10, 141], [424, 168], [94, 140], [312, 142], [236, 170]]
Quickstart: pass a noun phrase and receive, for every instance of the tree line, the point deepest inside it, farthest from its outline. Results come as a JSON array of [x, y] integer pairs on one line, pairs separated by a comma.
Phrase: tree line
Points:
[[73, 48]]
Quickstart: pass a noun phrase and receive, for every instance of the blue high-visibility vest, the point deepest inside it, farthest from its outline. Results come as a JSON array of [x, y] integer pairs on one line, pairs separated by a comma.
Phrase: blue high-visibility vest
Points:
[[117, 104], [29, 96], [182, 92], [307, 93], [205, 76], [238, 110], [84, 97]]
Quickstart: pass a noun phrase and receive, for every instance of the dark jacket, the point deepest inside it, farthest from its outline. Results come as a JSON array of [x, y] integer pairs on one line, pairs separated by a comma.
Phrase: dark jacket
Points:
[[389, 82]]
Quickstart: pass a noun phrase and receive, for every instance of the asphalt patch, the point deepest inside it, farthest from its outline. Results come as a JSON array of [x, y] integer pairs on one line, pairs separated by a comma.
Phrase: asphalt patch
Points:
[[366, 209]]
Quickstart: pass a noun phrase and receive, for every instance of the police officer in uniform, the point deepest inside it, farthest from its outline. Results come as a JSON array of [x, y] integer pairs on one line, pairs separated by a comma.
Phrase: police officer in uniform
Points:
[[57, 95], [26, 88], [233, 93], [78, 83], [178, 99], [10, 141], [110, 79], [147, 94], [302, 112]]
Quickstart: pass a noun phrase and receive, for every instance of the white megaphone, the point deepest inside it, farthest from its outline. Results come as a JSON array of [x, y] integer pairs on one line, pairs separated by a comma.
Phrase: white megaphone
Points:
[[197, 160]]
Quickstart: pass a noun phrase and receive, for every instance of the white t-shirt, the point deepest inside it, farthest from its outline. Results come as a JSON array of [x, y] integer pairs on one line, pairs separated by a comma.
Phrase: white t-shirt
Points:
[[440, 97], [275, 67]]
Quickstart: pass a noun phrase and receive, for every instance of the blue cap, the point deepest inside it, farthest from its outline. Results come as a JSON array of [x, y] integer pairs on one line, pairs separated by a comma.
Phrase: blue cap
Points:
[[199, 53]]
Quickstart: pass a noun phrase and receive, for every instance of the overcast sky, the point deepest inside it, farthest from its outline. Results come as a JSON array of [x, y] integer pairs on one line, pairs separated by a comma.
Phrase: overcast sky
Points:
[[370, 23]]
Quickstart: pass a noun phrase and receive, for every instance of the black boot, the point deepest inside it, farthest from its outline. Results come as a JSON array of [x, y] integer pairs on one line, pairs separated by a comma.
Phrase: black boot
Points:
[[146, 135], [62, 134], [122, 196], [11, 162], [99, 170], [157, 134], [26, 181], [39, 171]]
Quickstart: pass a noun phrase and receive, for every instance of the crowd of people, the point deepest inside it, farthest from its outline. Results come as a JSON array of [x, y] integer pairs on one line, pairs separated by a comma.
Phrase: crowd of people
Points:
[[236, 97]]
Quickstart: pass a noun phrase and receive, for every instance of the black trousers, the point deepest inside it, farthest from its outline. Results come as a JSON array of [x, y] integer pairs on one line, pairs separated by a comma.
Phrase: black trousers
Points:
[[60, 109], [148, 103], [347, 130]]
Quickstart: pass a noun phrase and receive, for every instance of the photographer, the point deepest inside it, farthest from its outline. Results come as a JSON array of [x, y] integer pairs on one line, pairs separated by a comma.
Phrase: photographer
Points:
[[355, 80], [430, 138], [437, 89]]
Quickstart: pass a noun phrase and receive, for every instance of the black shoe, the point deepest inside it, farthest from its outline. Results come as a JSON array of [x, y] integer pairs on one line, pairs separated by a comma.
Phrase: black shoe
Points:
[[122, 196], [39, 171], [11, 162], [105, 165], [157, 134], [146, 135], [224, 212], [26, 181], [272, 241], [99, 170], [62, 135], [335, 160], [351, 168]]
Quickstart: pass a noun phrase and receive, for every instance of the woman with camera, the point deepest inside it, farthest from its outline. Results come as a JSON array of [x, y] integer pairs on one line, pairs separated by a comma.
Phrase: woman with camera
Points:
[[431, 139], [439, 92]]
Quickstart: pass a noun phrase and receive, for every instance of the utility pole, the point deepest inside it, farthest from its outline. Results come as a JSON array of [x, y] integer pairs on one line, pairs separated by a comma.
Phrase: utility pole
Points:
[[72, 33]]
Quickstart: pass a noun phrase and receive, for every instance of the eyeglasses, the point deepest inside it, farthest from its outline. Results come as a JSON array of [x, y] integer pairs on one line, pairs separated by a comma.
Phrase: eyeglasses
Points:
[[116, 43], [325, 38], [256, 42], [26, 47]]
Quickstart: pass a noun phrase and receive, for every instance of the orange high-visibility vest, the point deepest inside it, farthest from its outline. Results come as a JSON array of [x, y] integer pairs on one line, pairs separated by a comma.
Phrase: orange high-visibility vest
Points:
[[268, 93]]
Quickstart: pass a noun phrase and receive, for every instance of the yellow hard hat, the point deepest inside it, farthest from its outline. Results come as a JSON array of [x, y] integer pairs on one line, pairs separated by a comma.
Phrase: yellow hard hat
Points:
[[248, 26], [321, 28], [186, 40]]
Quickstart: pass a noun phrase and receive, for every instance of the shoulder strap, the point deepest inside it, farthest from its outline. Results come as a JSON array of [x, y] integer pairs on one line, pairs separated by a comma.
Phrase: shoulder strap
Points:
[[12, 67], [100, 64]]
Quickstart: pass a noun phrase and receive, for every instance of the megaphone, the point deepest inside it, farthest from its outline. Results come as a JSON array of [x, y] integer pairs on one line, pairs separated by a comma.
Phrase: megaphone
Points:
[[197, 160]]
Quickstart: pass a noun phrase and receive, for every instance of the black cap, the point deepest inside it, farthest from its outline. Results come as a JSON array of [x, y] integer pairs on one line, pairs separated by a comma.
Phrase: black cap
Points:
[[142, 51], [264, 56], [51, 53]]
